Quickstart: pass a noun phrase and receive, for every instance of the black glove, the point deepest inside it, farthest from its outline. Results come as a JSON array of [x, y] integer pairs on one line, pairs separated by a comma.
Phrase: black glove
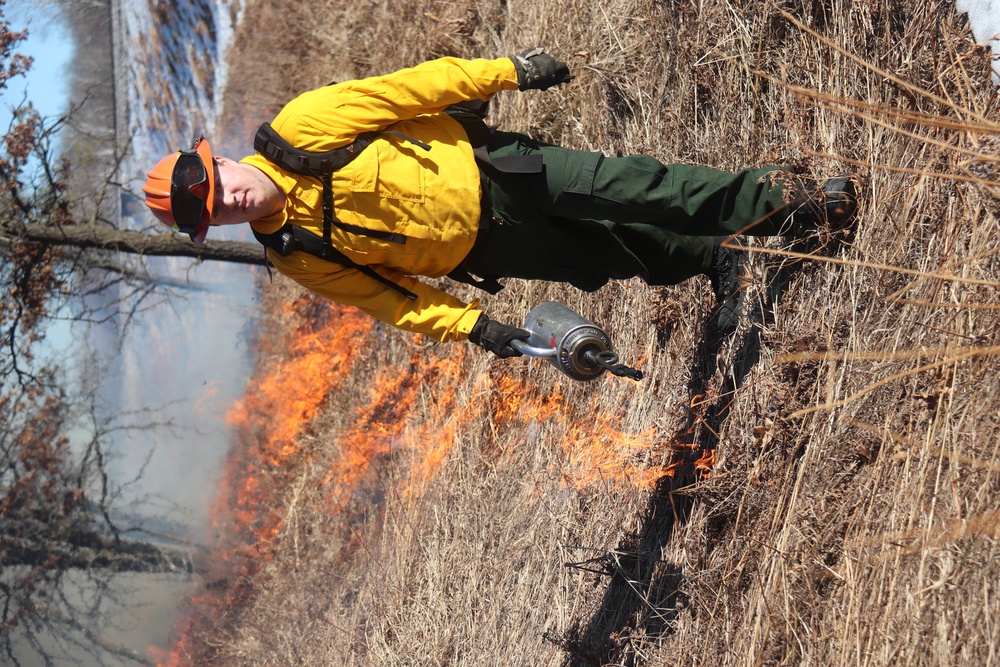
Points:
[[496, 337], [537, 69]]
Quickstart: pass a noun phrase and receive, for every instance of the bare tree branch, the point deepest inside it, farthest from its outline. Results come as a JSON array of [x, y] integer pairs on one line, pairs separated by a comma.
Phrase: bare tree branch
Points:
[[62, 257], [162, 245]]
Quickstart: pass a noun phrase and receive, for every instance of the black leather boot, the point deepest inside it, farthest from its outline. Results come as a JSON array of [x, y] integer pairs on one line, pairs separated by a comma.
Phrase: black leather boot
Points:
[[832, 203], [725, 273]]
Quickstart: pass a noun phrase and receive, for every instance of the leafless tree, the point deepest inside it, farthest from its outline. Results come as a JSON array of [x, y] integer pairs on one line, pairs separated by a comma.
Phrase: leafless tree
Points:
[[61, 531]]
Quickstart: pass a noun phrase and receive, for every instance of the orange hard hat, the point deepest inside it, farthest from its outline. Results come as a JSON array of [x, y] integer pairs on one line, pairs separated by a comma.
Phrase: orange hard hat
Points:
[[180, 190]]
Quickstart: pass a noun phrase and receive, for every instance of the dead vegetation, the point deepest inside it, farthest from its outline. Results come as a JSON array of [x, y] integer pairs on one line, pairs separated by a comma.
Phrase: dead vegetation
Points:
[[832, 470]]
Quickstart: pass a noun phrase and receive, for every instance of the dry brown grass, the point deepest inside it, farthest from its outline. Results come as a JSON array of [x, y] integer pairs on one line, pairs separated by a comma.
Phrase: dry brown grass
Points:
[[438, 509]]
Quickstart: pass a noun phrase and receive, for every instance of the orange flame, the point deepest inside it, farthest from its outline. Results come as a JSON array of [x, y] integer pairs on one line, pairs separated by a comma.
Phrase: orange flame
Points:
[[411, 420], [281, 398], [594, 448], [389, 425]]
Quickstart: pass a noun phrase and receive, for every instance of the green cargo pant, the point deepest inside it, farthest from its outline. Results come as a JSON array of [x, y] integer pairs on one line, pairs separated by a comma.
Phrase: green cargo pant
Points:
[[586, 218]]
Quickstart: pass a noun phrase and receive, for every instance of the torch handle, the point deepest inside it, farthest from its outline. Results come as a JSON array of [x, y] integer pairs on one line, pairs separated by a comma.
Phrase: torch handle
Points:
[[531, 350]]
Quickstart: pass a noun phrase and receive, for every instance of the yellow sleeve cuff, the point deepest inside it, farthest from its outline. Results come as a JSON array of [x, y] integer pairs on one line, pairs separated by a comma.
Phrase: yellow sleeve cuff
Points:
[[465, 324]]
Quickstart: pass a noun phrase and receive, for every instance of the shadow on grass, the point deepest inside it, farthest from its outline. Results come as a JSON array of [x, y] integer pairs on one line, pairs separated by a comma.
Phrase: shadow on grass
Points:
[[644, 595]]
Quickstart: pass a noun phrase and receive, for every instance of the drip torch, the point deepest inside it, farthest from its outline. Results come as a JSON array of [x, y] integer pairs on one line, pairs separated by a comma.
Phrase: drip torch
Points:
[[578, 348]]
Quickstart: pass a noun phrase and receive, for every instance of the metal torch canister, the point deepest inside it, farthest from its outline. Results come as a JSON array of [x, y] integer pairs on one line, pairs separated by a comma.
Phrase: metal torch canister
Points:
[[578, 348]]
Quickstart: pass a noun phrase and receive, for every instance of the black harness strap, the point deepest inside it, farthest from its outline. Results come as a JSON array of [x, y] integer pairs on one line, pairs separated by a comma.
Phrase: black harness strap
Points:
[[320, 165], [274, 147], [327, 180], [471, 115], [291, 238]]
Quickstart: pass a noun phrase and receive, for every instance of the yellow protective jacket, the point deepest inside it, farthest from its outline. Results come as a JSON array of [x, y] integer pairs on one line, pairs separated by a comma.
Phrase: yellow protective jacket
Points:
[[431, 197]]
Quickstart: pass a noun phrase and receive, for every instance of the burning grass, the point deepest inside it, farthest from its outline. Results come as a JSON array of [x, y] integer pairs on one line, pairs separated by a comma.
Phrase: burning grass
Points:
[[819, 489]]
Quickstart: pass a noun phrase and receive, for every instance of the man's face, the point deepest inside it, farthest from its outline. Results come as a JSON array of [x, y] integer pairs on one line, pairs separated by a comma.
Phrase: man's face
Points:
[[241, 193]]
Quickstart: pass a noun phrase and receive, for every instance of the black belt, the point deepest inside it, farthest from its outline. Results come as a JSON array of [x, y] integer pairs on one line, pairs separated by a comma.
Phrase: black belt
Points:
[[460, 273], [508, 164]]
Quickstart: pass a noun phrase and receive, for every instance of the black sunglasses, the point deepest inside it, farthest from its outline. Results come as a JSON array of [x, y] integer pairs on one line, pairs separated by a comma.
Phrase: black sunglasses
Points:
[[187, 207]]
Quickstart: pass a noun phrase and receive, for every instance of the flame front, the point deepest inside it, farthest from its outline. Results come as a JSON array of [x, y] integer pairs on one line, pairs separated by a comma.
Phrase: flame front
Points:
[[411, 417]]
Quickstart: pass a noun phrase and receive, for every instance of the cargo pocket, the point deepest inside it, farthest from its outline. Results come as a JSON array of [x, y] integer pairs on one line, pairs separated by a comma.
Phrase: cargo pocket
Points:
[[365, 170], [400, 171], [579, 177]]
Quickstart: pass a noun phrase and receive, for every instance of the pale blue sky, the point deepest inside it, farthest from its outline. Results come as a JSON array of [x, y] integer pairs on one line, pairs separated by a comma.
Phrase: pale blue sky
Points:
[[49, 44], [45, 85]]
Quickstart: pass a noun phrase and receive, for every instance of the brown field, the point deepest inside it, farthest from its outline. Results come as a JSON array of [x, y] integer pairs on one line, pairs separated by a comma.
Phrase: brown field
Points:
[[819, 489]]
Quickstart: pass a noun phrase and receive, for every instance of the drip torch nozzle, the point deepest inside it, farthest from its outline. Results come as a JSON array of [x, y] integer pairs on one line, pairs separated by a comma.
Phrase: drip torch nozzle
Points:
[[578, 348], [608, 360]]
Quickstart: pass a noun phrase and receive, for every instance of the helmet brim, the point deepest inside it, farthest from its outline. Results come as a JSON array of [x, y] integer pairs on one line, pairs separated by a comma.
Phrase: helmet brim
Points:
[[205, 153]]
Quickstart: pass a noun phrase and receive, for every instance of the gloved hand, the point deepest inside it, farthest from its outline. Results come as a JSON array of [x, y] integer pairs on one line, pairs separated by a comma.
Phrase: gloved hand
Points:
[[496, 337], [537, 69]]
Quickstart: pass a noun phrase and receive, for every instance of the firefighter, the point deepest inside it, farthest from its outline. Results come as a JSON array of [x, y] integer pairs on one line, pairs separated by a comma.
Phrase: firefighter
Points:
[[426, 192]]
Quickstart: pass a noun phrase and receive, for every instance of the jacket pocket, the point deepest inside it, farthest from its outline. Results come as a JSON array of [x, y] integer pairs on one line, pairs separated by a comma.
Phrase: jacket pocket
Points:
[[365, 170], [400, 171]]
